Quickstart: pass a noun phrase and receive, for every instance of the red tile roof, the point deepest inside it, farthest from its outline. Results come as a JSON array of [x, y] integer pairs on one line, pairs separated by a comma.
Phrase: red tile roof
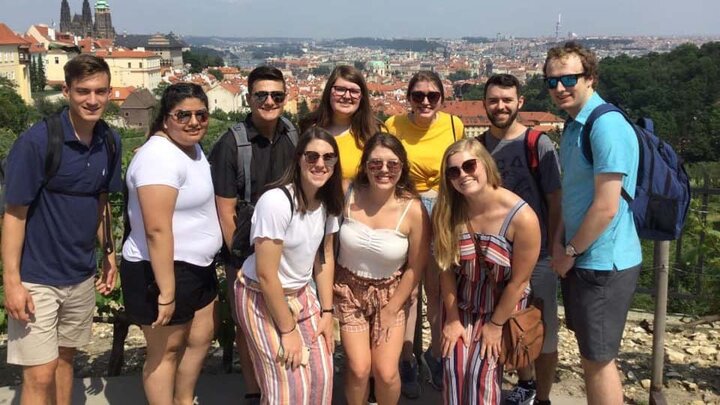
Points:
[[106, 54], [8, 37]]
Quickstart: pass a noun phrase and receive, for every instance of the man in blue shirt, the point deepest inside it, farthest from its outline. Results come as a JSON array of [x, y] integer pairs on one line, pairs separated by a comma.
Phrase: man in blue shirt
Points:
[[50, 232], [600, 260]]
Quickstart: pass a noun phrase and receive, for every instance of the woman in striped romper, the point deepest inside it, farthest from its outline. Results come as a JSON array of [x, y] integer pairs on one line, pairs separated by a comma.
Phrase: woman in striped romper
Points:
[[487, 240], [288, 327]]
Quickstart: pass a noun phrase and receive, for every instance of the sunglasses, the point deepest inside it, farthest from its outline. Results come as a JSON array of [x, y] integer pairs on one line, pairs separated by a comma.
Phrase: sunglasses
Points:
[[419, 96], [340, 91], [312, 157], [184, 116], [468, 166], [376, 165], [566, 80], [276, 96]]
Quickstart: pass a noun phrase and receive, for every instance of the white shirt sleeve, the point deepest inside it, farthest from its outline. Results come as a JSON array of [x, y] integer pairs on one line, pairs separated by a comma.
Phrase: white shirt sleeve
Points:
[[153, 167], [271, 217], [332, 225]]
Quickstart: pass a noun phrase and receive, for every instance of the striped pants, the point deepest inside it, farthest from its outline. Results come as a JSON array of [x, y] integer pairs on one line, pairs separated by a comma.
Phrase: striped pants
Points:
[[306, 385]]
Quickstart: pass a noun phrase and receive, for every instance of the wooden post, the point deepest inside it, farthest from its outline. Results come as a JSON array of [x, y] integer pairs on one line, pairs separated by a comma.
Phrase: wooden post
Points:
[[661, 259], [701, 242]]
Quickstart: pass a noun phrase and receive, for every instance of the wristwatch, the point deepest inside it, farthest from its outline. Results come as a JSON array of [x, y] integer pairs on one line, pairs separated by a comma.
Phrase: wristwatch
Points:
[[570, 250]]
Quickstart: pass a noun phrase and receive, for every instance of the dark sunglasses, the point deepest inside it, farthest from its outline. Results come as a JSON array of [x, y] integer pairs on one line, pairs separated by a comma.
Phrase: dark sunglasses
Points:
[[419, 96], [341, 91], [376, 165], [276, 96], [566, 80], [184, 116], [312, 157], [468, 166]]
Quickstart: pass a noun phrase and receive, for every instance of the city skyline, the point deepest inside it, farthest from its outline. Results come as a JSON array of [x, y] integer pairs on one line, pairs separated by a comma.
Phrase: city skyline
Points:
[[399, 18]]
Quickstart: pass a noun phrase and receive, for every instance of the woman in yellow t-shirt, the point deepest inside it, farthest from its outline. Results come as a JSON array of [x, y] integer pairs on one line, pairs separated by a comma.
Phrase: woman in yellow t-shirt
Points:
[[425, 132], [345, 112]]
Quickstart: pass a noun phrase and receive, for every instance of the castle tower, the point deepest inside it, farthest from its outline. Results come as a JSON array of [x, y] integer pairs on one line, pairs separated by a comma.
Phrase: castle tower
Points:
[[103, 21], [86, 19], [65, 16]]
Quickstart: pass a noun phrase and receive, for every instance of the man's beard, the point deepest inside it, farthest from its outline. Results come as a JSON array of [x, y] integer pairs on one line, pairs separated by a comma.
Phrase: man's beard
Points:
[[501, 125]]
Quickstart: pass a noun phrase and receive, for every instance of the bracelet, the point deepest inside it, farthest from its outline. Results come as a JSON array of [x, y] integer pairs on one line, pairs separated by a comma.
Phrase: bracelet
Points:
[[288, 332], [326, 311], [499, 325], [166, 303]]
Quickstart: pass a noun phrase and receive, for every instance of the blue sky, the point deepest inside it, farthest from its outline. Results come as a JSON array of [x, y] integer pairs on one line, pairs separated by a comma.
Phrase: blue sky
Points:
[[388, 18]]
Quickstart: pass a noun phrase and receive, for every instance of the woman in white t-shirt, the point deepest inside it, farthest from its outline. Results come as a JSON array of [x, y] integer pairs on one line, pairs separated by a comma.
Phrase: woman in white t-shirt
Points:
[[289, 333], [168, 275]]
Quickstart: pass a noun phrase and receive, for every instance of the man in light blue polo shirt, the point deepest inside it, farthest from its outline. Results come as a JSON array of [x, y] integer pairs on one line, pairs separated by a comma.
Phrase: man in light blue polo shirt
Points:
[[597, 251], [50, 233]]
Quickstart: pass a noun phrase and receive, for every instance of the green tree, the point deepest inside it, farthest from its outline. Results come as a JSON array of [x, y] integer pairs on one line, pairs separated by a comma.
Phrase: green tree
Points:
[[40, 75], [321, 71], [473, 92], [45, 107], [303, 110], [217, 73], [15, 115], [160, 89], [459, 75], [359, 65]]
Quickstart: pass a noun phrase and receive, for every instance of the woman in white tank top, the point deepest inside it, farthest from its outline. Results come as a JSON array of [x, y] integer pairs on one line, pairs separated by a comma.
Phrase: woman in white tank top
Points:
[[384, 248]]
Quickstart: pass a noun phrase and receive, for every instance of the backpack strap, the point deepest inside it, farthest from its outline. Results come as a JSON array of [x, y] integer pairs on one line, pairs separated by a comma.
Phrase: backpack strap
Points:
[[586, 145], [292, 132], [452, 123], [244, 156], [56, 136], [532, 154]]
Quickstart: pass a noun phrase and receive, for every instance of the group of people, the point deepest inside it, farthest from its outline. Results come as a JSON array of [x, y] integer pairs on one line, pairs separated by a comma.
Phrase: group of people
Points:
[[340, 221]]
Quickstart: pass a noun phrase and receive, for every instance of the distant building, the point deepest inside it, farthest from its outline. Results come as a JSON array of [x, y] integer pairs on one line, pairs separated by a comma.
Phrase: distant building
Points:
[[132, 68], [59, 50], [15, 61], [168, 47], [137, 110], [475, 120], [226, 97], [82, 25]]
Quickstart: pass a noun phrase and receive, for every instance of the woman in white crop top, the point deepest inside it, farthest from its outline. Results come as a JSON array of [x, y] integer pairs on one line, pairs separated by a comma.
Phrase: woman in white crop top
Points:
[[384, 248], [288, 328]]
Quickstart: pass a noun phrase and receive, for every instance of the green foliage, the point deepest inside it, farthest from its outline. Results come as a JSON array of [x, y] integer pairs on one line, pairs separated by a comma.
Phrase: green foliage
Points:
[[321, 71], [15, 115], [38, 80], [303, 110], [679, 90], [201, 58], [537, 97], [160, 89], [217, 73], [459, 75], [359, 65], [473, 92], [45, 107]]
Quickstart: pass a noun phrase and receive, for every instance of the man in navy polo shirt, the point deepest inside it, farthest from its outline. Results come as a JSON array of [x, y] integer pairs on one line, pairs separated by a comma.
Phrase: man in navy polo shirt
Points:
[[50, 233], [597, 251]]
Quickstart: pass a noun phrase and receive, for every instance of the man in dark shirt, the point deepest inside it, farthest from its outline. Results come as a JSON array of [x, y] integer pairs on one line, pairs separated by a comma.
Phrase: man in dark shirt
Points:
[[50, 232], [272, 152]]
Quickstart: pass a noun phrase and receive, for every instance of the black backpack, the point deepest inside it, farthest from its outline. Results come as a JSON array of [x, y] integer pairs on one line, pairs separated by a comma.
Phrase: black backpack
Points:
[[241, 247]]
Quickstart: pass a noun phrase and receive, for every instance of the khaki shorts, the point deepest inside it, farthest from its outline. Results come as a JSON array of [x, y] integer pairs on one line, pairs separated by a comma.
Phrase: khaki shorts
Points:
[[62, 318]]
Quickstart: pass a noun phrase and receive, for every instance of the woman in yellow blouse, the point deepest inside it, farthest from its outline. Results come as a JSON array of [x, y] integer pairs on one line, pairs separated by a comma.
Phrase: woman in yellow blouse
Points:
[[345, 112], [425, 132]]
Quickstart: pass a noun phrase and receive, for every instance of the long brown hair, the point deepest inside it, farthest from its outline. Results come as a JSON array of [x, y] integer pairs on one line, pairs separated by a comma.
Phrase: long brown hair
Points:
[[330, 194], [364, 124], [450, 212]]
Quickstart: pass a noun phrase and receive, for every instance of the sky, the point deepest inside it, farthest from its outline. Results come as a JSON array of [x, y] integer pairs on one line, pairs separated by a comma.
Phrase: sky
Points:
[[387, 18]]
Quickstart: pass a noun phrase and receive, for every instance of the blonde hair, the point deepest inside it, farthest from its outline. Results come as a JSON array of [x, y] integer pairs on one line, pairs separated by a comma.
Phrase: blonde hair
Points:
[[450, 212]]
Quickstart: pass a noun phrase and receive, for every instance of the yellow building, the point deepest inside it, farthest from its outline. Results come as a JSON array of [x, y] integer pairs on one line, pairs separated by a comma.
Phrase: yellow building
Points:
[[60, 48], [132, 68], [15, 61]]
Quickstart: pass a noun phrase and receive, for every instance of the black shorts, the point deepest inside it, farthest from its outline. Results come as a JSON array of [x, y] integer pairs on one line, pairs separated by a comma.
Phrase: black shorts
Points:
[[195, 288], [596, 307]]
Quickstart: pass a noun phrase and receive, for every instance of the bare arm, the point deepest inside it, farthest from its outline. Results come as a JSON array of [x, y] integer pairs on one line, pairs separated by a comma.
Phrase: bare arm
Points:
[[453, 329], [226, 215], [418, 255], [603, 209], [157, 204], [106, 282], [553, 201], [18, 302], [324, 278], [525, 232]]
